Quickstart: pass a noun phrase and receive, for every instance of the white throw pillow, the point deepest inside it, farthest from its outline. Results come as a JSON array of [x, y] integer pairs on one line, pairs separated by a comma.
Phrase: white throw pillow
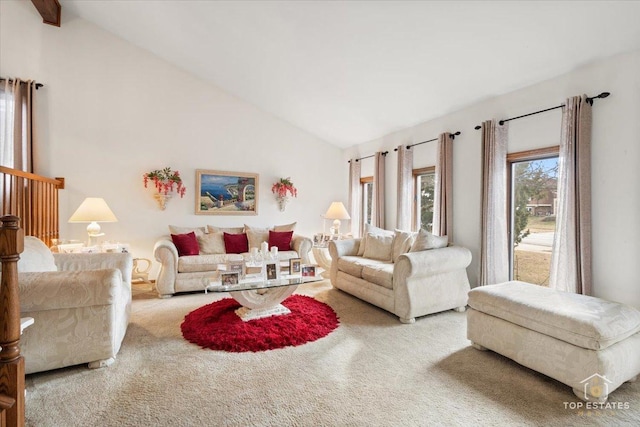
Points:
[[199, 231], [256, 236], [368, 228], [402, 243], [378, 247], [230, 230], [425, 240], [285, 227], [211, 243]]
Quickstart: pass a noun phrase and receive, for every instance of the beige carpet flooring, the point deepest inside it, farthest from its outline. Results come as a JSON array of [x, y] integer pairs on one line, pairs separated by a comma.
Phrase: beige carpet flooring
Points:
[[371, 371]]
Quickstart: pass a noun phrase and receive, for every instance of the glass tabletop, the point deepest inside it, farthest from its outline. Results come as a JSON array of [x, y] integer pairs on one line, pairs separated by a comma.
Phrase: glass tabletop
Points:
[[256, 281]]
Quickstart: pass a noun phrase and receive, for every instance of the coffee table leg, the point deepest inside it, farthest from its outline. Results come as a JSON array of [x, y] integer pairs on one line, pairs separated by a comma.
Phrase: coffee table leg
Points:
[[259, 303]]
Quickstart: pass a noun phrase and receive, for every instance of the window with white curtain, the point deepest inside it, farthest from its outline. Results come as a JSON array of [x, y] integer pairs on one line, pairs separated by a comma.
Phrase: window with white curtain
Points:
[[366, 184], [533, 180], [424, 192], [6, 127]]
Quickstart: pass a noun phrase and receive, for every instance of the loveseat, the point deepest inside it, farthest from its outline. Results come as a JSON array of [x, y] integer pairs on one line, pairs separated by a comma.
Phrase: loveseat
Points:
[[80, 303], [407, 274], [190, 271]]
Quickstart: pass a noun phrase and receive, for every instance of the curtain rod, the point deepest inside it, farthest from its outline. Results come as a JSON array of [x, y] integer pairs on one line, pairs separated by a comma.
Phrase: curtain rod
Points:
[[589, 100], [37, 85], [451, 135], [384, 153]]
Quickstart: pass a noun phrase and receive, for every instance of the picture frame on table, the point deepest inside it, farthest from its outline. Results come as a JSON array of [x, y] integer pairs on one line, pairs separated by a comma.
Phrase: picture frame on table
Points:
[[295, 266], [238, 266], [228, 278], [308, 270], [272, 270], [226, 193]]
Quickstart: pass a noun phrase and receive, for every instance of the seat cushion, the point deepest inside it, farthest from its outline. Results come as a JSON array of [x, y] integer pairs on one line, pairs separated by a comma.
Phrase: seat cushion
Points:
[[353, 265], [581, 320], [198, 263], [380, 274]]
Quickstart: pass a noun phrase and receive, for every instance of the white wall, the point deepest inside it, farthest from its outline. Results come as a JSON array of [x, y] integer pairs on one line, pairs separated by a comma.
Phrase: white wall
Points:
[[615, 163], [110, 112]]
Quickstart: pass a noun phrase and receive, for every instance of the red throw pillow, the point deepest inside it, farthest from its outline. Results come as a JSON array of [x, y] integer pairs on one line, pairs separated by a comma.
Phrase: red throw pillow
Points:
[[186, 244], [236, 243], [280, 239]]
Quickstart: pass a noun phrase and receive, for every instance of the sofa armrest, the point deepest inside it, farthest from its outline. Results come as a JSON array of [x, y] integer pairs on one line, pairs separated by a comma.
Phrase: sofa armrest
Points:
[[346, 247], [340, 248], [430, 262], [166, 254], [302, 245], [96, 261], [52, 290]]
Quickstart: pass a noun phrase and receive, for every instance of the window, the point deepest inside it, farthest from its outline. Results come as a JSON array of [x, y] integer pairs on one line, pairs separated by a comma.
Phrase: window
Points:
[[366, 184], [424, 188], [533, 181]]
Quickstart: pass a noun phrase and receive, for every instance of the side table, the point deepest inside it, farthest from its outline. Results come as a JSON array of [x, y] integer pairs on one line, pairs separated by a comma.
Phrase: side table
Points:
[[323, 259], [141, 267]]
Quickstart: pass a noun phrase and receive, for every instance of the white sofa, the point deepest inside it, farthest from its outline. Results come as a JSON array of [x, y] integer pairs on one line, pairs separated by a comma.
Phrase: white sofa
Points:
[[409, 284], [80, 303], [189, 273]]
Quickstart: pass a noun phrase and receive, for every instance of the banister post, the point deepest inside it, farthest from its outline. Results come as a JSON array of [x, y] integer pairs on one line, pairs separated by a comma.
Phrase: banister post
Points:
[[12, 380]]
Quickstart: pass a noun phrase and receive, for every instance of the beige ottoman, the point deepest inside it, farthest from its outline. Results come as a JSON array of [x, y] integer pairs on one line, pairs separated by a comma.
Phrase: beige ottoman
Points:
[[587, 343]]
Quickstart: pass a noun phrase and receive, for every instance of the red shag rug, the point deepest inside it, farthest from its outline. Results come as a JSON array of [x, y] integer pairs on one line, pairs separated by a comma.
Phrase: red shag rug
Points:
[[216, 326]]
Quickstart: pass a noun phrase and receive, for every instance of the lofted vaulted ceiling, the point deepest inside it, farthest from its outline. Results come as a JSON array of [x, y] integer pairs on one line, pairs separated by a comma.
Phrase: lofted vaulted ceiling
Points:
[[350, 72]]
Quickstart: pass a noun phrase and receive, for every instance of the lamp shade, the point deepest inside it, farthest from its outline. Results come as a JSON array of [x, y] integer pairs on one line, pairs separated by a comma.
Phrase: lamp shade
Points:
[[337, 211], [93, 209]]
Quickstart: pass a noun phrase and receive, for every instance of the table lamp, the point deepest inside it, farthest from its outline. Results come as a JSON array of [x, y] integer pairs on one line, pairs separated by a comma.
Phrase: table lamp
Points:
[[93, 210], [336, 212]]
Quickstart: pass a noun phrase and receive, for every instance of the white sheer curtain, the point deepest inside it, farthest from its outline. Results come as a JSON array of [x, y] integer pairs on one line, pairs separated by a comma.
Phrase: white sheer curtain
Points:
[[16, 124], [355, 196], [443, 195], [377, 218], [494, 254], [405, 187], [571, 255]]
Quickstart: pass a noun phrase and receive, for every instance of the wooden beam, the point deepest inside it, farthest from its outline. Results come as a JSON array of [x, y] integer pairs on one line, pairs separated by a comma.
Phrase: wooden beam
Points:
[[50, 11]]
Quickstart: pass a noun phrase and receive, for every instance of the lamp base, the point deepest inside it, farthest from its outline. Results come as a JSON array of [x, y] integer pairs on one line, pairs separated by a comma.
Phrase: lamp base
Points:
[[335, 228], [93, 230]]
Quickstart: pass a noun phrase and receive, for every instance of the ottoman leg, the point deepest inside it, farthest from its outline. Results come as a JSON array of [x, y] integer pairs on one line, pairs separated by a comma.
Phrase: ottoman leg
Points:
[[460, 309], [478, 347], [588, 398]]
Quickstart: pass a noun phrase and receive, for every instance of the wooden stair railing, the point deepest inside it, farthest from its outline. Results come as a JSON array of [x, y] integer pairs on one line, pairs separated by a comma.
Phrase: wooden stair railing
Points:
[[34, 199], [11, 362]]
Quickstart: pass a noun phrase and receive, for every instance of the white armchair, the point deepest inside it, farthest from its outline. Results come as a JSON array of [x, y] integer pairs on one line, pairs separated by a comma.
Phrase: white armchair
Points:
[[80, 303]]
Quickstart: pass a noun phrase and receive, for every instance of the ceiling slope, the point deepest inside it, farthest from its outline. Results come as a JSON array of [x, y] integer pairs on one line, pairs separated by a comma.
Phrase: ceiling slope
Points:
[[350, 72]]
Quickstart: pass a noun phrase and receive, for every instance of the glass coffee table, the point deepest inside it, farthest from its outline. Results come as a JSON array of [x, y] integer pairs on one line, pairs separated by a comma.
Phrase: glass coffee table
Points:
[[260, 297]]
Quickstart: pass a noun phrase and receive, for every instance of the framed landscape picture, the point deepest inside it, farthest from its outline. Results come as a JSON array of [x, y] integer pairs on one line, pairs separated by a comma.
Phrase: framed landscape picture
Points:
[[226, 193]]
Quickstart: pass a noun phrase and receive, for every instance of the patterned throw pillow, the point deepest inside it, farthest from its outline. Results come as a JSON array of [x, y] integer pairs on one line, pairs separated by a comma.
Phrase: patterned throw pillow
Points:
[[186, 244]]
